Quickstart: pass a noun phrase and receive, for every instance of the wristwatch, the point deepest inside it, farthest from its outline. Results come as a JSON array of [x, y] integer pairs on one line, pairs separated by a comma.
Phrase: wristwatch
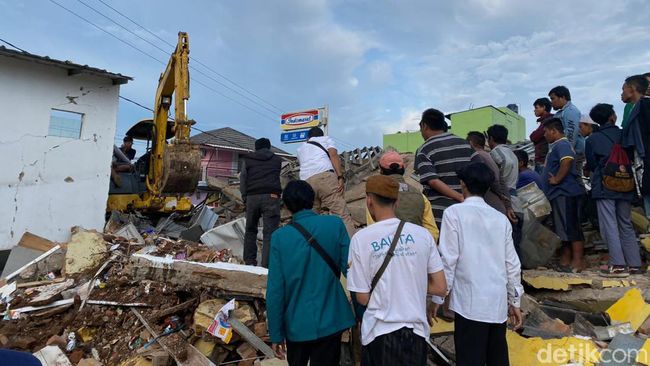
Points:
[[341, 177]]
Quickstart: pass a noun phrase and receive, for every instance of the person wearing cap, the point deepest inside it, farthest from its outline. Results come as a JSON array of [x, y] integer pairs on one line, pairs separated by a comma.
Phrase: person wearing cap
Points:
[[395, 325], [587, 126], [413, 206], [320, 166], [259, 184], [482, 271], [306, 305], [614, 208]]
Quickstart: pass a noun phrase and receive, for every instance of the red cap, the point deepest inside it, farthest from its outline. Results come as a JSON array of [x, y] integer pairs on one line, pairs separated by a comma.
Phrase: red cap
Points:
[[389, 158]]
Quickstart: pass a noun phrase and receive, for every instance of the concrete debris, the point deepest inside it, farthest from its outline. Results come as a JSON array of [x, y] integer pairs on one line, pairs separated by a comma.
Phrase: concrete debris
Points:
[[86, 250], [130, 232], [52, 355], [228, 236]]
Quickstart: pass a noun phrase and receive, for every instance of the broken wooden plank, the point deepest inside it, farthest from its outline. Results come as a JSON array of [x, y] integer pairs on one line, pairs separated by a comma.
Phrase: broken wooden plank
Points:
[[27, 309], [194, 356], [48, 292], [31, 241], [154, 334], [229, 277], [90, 287], [115, 303], [40, 283], [250, 337], [169, 311]]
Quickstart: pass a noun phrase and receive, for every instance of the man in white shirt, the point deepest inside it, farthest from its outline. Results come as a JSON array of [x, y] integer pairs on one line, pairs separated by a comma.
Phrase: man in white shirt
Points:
[[321, 167], [395, 325], [483, 272]]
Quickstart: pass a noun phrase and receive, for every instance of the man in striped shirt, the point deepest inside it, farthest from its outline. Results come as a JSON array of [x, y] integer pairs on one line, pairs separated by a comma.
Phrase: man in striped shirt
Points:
[[438, 160]]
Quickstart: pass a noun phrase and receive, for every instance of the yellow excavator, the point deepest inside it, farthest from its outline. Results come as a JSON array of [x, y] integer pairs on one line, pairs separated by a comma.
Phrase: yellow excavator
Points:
[[162, 178]]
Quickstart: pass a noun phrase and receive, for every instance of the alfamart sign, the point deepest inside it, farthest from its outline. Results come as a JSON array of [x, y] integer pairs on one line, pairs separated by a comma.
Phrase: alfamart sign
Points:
[[301, 120]]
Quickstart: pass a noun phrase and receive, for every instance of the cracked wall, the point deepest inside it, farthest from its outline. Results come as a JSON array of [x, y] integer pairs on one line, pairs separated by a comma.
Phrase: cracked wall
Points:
[[47, 183]]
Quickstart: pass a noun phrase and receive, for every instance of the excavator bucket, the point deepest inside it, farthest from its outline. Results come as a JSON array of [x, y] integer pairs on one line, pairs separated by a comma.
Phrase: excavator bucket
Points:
[[182, 168]]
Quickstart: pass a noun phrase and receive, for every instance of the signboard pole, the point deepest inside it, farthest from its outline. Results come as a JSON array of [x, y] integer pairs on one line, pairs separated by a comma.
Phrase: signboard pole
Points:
[[326, 119]]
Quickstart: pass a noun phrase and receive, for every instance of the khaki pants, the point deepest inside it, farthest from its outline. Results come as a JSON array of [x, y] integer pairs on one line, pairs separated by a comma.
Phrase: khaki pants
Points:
[[325, 185]]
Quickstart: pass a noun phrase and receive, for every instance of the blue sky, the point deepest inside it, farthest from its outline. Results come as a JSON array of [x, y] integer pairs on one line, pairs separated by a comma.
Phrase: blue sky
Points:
[[377, 64]]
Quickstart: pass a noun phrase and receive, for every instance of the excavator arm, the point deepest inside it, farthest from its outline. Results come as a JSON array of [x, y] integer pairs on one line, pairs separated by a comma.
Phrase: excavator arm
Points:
[[176, 166]]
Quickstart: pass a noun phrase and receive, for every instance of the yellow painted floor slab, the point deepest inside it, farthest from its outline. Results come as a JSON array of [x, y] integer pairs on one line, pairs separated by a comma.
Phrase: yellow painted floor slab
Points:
[[442, 327], [550, 352], [630, 308], [618, 283], [555, 283], [644, 354]]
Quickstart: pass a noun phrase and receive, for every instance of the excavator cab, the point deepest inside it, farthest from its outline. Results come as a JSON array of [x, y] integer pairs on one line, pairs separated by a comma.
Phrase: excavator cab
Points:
[[134, 181]]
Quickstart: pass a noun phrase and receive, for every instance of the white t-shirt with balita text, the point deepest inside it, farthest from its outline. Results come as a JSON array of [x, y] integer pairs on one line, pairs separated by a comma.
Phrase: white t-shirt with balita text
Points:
[[400, 297]]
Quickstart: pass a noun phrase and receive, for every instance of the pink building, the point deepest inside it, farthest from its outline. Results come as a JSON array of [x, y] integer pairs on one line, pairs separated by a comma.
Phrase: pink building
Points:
[[222, 150]]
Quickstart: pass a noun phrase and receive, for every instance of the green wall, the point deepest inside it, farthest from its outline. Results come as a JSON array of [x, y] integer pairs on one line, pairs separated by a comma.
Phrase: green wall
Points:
[[478, 119], [481, 118], [404, 142]]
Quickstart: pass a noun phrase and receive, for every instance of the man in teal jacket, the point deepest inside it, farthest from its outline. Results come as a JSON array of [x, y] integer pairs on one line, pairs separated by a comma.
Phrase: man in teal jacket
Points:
[[306, 305]]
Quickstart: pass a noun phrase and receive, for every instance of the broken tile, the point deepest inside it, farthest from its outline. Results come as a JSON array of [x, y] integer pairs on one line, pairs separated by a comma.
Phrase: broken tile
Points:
[[563, 351], [630, 308], [563, 283], [130, 232], [622, 351]]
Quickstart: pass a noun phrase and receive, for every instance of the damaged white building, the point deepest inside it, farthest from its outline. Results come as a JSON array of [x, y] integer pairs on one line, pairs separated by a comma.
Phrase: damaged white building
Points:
[[58, 128]]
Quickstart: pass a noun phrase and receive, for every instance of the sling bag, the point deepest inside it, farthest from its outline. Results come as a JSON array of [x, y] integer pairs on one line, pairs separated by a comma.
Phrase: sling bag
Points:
[[319, 249], [320, 147], [389, 256]]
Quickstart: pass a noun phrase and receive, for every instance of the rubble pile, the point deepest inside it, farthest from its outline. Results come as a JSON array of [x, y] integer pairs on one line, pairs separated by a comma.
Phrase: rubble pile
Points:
[[105, 299], [144, 294]]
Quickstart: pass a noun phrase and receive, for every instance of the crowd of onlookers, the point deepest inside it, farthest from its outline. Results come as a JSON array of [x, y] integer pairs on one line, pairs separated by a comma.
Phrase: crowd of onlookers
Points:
[[450, 251]]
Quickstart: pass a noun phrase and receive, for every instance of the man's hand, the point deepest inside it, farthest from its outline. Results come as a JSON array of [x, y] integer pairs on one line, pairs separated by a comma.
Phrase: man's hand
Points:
[[460, 198], [280, 350], [552, 180], [515, 318], [511, 216], [432, 312]]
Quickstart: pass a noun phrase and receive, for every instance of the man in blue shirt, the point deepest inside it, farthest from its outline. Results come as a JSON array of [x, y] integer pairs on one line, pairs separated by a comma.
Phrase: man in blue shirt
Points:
[[564, 192], [569, 114], [527, 176], [306, 305]]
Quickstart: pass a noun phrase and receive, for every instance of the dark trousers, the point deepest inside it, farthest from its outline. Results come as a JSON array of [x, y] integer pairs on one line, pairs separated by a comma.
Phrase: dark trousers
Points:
[[267, 207], [401, 347], [324, 351], [479, 344]]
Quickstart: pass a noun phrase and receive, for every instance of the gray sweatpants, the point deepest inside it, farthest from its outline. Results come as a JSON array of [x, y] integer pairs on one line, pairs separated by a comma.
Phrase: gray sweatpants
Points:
[[617, 231]]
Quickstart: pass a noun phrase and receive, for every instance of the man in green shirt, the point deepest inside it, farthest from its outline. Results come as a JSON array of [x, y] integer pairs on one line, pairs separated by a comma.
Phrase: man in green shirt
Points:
[[306, 305]]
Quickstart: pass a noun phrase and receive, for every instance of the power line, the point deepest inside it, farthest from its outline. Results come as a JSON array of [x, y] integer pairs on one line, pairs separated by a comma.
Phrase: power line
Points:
[[136, 103], [159, 61], [278, 109], [166, 52], [107, 32], [11, 45]]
